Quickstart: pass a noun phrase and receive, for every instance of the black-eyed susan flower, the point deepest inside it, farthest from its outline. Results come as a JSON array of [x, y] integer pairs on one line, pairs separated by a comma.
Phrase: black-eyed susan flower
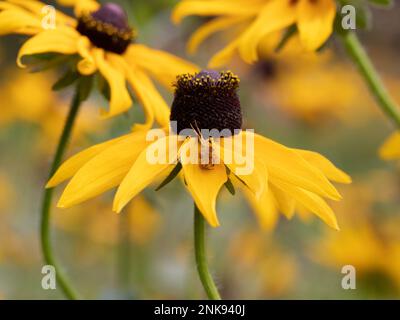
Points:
[[100, 40], [204, 102], [256, 19]]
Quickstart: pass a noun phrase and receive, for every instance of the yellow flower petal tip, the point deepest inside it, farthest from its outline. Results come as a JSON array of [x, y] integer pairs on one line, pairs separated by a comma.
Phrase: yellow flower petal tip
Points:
[[346, 179], [117, 207], [337, 197], [176, 16], [289, 216], [212, 221], [61, 205], [19, 63], [341, 177], [66, 201], [333, 223], [215, 224], [51, 183]]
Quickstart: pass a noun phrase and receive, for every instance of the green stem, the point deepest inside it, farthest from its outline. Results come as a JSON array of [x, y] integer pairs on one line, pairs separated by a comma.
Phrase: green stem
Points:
[[361, 59], [47, 200], [201, 261]]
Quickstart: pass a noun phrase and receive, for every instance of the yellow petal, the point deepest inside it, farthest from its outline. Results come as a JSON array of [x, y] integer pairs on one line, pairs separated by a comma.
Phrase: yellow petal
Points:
[[310, 201], [285, 203], [287, 165], [73, 164], [80, 6], [144, 171], [391, 148], [104, 171], [303, 213], [209, 28], [265, 208], [15, 21], [36, 7], [223, 56], [120, 100], [213, 8], [315, 22], [87, 65], [160, 108], [61, 40], [275, 15], [328, 168], [204, 186], [153, 104], [150, 61], [231, 153]]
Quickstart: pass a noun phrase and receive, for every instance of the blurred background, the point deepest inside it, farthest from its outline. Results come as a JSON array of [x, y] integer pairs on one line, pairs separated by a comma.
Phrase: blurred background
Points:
[[310, 101]]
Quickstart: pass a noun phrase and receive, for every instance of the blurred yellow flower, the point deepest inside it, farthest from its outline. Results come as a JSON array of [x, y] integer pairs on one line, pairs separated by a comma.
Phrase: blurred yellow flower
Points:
[[390, 150], [281, 173], [316, 87], [258, 18], [7, 194], [101, 39], [370, 245], [254, 254], [16, 248], [101, 225], [37, 106]]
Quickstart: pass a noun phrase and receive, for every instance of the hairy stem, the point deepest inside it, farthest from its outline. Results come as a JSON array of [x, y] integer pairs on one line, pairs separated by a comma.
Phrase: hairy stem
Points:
[[62, 281], [201, 260], [367, 70]]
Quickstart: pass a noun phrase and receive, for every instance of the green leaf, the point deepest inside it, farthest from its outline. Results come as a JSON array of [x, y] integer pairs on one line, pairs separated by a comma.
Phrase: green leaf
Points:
[[104, 87], [291, 31], [41, 56], [40, 63], [66, 80], [171, 176], [85, 85], [230, 187]]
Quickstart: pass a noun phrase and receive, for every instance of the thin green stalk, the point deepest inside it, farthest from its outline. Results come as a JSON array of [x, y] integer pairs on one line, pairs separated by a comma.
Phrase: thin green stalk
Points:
[[367, 70], [201, 260], [47, 200]]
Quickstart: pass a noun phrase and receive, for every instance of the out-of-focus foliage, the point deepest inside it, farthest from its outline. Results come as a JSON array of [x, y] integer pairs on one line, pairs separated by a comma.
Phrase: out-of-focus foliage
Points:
[[312, 101]]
